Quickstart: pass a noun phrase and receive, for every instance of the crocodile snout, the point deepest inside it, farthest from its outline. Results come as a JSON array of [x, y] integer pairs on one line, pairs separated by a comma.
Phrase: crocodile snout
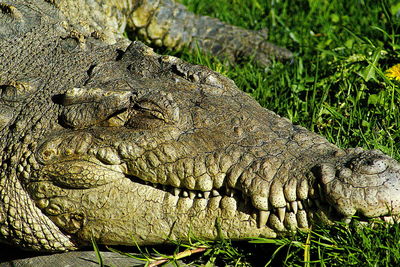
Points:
[[365, 183]]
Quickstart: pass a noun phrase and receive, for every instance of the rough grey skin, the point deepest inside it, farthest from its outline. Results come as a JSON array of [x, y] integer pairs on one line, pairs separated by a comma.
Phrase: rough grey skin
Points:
[[104, 138]]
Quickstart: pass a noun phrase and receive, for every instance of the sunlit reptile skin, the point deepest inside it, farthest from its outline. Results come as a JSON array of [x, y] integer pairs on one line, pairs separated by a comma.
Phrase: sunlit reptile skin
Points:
[[104, 138]]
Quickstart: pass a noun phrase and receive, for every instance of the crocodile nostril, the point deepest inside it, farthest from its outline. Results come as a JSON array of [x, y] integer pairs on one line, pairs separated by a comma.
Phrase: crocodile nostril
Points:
[[374, 166]]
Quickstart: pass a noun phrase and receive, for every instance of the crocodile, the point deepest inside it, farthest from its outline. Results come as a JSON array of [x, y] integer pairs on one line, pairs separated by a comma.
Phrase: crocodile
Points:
[[104, 139]]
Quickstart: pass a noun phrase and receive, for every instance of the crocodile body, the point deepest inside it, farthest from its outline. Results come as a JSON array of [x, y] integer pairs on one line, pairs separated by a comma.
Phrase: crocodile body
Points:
[[104, 138]]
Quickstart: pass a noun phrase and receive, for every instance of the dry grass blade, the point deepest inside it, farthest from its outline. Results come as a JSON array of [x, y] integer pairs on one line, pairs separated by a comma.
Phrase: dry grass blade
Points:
[[180, 255]]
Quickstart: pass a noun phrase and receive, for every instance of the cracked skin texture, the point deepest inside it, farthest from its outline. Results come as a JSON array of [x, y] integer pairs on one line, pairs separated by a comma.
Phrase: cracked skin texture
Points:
[[102, 137]]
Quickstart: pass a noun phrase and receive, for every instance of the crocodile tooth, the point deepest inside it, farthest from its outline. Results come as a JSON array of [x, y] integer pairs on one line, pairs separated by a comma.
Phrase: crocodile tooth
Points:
[[294, 206], [263, 216], [200, 195], [311, 191], [207, 194], [320, 191], [281, 213], [346, 220], [192, 194], [388, 219], [300, 205], [310, 216], [214, 193], [185, 193], [229, 192], [177, 191]]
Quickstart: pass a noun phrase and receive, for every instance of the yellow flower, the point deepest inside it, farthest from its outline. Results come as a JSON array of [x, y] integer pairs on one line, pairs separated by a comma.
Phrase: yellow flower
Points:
[[393, 72]]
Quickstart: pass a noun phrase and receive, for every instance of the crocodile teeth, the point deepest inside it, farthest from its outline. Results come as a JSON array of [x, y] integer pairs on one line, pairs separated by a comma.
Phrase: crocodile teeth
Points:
[[192, 194], [177, 191], [294, 206], [200, 195], [229, 192], [263, 218], [185, 194], [281, 213], [214, 193], [346, 220], [388, 219], [300, 205], [207, 194]]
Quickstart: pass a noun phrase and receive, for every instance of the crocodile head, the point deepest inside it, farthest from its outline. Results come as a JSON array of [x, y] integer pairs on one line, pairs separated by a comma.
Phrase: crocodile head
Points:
[[149, 148]]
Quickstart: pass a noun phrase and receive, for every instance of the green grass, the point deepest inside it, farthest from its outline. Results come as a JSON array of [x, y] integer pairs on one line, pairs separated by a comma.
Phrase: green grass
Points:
[[336, 84], [335, 87]]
